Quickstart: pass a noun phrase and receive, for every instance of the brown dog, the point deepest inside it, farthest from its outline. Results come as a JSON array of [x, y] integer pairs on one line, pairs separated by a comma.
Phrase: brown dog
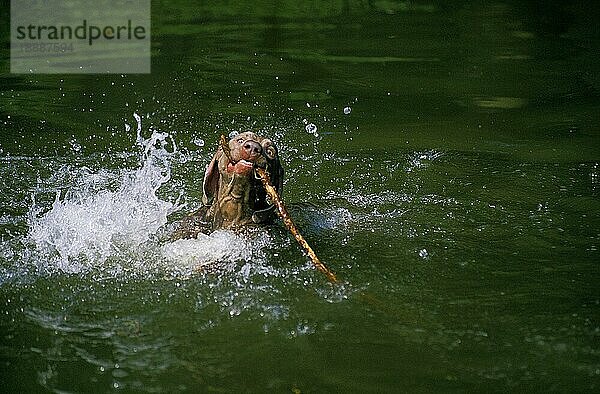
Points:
[[233, 196]]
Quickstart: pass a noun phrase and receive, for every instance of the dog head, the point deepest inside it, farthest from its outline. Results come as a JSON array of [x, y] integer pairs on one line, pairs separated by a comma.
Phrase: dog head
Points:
[[232, 191]]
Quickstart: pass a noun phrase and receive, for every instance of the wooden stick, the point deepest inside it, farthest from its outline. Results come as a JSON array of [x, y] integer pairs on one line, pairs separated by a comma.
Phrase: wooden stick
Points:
[[283, 214], [289, 224]]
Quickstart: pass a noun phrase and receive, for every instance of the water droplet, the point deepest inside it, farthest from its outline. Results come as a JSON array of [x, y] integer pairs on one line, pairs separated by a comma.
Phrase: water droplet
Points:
[[423, 253], [233, 134], [198, 142], [75, 146], [127, 127], [311, 128], [347, 110]]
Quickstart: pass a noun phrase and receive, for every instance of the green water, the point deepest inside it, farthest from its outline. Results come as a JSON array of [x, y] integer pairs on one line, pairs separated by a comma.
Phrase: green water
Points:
[[452, 185]]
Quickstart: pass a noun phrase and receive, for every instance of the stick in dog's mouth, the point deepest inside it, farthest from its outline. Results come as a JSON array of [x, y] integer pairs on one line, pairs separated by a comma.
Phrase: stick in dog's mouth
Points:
[[262, 174]]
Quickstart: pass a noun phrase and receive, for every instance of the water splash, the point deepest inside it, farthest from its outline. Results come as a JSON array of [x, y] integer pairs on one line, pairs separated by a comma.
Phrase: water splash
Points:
[[191, 255], [111, 224], [86, 226], [114, 223]]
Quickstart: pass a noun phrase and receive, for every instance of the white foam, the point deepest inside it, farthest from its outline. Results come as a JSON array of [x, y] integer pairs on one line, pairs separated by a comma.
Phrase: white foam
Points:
[[219, 246], [85, 226]]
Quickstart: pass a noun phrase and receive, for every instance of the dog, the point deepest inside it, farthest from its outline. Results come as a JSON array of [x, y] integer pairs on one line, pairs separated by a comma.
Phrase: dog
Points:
[[233, 196]]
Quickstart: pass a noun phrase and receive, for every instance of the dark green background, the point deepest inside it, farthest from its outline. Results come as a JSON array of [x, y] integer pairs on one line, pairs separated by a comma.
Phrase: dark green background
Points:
[[458, 201]]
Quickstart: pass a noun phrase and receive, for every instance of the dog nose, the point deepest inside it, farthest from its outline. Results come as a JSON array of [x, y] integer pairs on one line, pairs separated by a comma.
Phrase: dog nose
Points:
[[252, 149]]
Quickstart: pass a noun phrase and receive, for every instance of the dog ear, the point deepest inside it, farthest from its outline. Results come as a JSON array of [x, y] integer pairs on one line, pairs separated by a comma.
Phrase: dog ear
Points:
[[210, 186], [277, 176]]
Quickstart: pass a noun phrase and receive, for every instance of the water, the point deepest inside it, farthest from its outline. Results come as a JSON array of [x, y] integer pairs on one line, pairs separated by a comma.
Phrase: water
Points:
[[449, 178]]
